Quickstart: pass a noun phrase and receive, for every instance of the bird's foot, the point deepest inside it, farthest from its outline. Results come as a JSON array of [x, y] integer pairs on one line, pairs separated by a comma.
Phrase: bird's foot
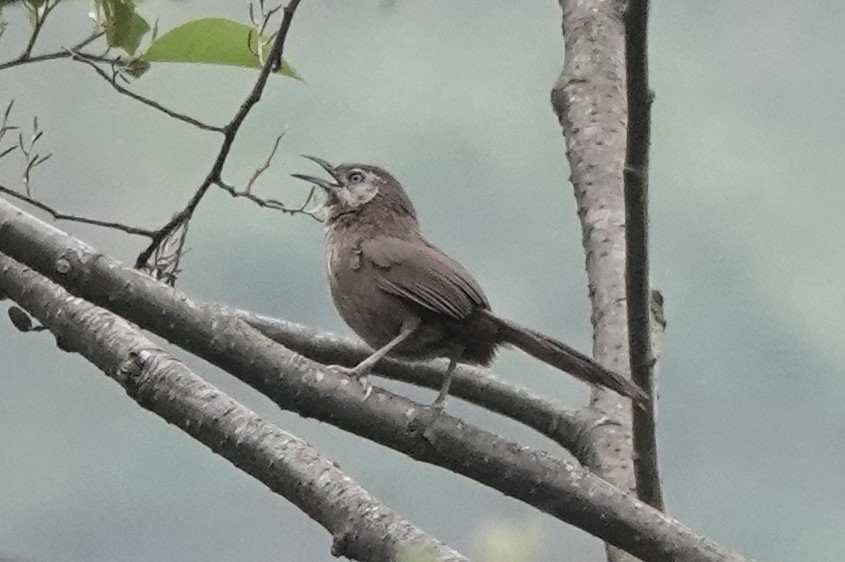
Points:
[[353, 373], [424, 418], [439, 405]]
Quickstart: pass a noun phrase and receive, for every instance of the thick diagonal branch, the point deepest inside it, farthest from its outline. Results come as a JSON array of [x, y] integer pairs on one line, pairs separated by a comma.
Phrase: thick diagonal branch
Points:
[[363, 528], [557, 487], [473, 384]]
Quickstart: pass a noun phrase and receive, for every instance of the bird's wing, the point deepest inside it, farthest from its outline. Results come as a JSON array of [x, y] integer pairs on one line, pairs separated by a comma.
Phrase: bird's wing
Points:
[[424, 275]]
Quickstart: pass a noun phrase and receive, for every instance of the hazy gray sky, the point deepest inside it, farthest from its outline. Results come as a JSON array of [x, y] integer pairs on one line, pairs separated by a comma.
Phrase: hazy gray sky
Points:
[[452, 97]]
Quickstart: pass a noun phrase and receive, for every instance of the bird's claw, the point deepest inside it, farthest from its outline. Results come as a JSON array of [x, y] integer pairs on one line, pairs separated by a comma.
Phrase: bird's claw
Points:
[[351, 373], [365, 384]]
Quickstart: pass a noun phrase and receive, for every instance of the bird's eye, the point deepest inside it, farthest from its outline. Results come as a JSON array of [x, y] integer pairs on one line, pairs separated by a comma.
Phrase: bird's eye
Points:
[[356, 177]]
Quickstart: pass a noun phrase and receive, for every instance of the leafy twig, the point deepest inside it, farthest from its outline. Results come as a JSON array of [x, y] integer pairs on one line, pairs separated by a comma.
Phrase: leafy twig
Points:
[[230, 131], [33, 158]]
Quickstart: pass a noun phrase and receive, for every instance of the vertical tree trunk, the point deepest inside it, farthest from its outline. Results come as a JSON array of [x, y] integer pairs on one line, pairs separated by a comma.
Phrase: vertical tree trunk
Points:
[[590, 101]]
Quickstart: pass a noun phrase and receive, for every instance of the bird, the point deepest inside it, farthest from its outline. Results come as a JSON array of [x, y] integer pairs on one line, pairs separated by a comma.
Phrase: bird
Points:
[[408, 299]]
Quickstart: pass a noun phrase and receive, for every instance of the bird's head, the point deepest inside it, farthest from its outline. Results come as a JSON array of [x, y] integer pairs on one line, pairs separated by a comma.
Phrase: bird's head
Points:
[[359, 188]]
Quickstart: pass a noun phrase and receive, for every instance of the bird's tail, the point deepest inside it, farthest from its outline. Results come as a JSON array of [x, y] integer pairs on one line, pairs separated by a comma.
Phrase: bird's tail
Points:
[[565, 358]]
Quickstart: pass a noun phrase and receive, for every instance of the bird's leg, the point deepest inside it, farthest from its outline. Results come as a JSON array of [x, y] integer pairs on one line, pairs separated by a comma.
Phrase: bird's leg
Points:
[[422, 421], [364, 367], [440, 401]]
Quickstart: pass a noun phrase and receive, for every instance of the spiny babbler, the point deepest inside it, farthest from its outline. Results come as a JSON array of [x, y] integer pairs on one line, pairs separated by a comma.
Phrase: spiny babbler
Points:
[[406, 298]]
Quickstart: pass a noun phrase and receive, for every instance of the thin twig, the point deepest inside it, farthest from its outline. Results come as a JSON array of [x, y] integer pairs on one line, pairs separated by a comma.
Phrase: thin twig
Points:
[[40, 12], [636, 242], [167, 256], [229, 133], [274, 204], [58, 215], [112, 80], [260, 23], [33, 159], [5, 128], [271, 203], [264, 167], [63, 53]]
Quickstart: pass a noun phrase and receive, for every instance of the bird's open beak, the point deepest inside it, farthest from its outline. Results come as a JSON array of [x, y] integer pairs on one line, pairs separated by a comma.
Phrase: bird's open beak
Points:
[[325, 184]]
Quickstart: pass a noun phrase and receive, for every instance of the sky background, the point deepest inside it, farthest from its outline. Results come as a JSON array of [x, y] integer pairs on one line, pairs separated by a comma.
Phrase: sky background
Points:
[[453, 98]]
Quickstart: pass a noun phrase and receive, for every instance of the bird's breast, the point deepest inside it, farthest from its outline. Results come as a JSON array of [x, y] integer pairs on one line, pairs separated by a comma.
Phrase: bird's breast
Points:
[[373, 314], [342, 252]]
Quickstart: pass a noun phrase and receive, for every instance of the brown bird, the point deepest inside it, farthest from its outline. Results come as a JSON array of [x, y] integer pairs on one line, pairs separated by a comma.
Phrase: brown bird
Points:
[[406, 298]]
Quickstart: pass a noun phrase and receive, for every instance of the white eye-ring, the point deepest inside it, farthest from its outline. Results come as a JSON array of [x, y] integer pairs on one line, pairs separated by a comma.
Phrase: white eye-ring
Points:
[[356, 177]]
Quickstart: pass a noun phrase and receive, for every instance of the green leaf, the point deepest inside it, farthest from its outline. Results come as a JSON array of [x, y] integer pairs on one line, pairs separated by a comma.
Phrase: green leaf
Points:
[[124, 28], [135, 67], [137, 29], [213, 41]]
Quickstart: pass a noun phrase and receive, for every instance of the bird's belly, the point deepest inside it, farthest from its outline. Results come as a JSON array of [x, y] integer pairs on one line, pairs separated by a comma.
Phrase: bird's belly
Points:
[[377, 316], [373, 314]]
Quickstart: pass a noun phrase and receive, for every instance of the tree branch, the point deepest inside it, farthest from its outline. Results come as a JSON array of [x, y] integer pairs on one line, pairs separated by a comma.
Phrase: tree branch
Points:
[[246, 191], [39, 12], [58, 215], [112, 81], [475, 385], [636, 243], [25, 58], [557, 487], [363, 528], [230, 131], [589, 101]]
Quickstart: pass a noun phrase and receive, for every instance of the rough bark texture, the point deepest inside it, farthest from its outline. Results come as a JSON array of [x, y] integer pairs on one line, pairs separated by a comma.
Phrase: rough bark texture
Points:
[[557, 487], [362, 527], [646, 466], [474, 384], [589, 99]]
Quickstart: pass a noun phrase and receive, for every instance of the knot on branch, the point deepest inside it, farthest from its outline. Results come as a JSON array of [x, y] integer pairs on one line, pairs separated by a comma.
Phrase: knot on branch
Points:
[[131, 368], [342, 542]]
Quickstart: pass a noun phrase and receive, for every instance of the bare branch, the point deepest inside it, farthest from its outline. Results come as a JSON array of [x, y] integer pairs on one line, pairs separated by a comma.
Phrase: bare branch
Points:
[[64, 53], [264, 167], [473, 384], [112, 81], [164, 264], [33, 160], [557, 487], [362, 526], [636, 243], [5, 127], [58, 215], [39, 12], [230, 131], [246, 192]]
